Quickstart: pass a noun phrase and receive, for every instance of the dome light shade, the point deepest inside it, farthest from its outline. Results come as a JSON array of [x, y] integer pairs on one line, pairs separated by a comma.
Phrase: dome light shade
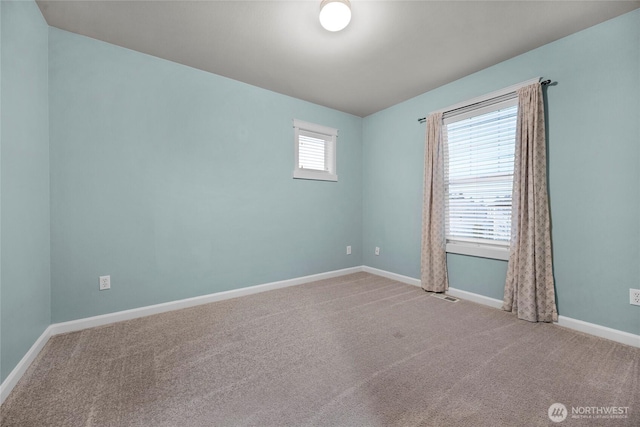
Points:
[[335, 14]]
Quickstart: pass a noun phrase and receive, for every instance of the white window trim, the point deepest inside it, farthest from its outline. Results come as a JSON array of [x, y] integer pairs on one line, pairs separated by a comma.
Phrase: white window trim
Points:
[[488, 96], [332, 134], [482, 110], [478, 247]]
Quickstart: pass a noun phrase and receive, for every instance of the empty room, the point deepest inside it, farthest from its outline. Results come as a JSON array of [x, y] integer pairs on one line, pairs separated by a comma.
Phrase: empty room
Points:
[[319, 213]]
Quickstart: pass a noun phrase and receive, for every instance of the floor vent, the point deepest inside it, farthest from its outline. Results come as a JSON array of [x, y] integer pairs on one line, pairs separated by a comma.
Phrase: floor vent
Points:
[[445, 297]]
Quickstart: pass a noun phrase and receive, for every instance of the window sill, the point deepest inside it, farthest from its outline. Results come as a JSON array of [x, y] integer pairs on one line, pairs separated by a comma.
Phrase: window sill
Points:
[[477, 250], [318, 176]]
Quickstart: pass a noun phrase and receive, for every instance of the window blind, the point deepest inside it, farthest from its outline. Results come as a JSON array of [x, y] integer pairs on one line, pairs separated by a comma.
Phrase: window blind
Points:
[[312, 151], [479, 157]]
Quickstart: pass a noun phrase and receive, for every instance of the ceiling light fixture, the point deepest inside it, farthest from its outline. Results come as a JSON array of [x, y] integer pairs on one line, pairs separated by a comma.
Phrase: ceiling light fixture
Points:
[[335, 14]]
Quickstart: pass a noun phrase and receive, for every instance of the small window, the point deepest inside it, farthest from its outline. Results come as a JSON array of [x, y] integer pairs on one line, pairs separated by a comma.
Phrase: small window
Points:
[[315, 151], [479, 161]]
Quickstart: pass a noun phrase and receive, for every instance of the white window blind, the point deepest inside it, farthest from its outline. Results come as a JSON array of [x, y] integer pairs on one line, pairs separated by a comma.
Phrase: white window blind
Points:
[[479, 159], [315, 151]]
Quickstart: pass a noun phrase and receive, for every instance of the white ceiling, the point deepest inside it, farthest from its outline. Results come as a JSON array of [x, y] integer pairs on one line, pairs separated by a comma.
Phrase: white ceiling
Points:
[[391, 51]]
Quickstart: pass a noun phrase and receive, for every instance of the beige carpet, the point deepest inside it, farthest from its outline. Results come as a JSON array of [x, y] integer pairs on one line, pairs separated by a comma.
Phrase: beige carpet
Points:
[[359, 350]]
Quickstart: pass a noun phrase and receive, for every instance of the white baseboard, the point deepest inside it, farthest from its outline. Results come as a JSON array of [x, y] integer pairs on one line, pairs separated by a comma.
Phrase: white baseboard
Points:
[[14, 376], [477, 298], [393, 276], [600, 331], [567, 322], [76, 325], [119, 316], [458, 293]]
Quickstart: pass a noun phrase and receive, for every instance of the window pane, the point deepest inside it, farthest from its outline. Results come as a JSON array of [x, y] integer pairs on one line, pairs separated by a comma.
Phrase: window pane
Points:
[[479, 175], [311, 153]]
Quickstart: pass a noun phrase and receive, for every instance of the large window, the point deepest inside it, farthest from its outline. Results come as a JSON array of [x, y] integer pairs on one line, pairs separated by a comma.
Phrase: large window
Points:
[[479, 143], [315, 151]]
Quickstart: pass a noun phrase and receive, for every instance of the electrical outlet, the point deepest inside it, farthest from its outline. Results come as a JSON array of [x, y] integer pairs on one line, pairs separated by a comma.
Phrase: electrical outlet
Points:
[[377, 251], [634, 296], [348, 250], [105, 282]]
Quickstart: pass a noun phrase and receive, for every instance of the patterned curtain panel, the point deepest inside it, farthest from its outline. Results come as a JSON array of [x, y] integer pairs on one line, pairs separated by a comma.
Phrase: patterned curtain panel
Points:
[[434, 257], [529, 289]]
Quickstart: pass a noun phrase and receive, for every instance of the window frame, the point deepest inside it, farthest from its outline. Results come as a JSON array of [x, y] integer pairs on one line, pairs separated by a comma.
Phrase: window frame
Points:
[[484, 248], [331, 136]]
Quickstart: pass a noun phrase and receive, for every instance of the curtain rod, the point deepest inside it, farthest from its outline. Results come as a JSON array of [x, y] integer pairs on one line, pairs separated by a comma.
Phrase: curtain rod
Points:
[[543, 83]]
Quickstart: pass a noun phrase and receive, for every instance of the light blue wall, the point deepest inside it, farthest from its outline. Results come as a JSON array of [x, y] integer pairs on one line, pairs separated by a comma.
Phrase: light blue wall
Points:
[[24, 261], [594, 164], [178, 183]]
